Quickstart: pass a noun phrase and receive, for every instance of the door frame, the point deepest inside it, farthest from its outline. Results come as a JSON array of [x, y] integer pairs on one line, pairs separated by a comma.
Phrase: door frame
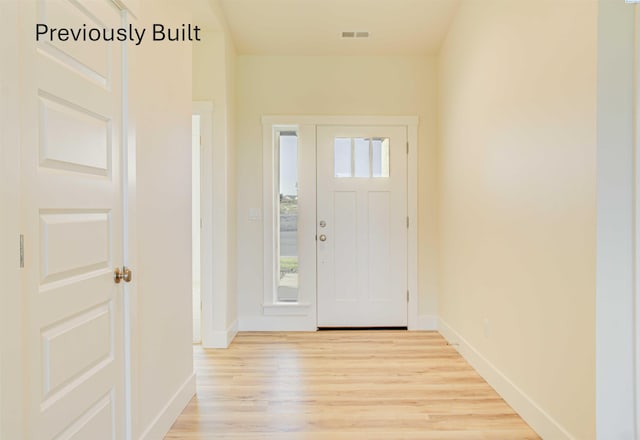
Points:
[[617, 295], [636, 202], [209, 337], [12, 378], [302, 316]]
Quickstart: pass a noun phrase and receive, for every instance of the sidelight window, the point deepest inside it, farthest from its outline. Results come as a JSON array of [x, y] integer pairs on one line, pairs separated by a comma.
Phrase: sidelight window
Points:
[[287, 212]]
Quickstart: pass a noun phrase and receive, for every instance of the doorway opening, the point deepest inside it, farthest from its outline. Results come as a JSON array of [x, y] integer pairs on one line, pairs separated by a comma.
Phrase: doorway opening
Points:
[[196, 224], [362, 226], [349, 222]]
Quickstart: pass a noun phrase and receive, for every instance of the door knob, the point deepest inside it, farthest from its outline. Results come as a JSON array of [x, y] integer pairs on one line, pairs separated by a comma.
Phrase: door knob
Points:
[[124, 274], [323, 237]]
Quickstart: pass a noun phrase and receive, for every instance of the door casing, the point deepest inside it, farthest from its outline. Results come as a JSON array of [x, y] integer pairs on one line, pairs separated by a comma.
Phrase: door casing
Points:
[[11, 306]]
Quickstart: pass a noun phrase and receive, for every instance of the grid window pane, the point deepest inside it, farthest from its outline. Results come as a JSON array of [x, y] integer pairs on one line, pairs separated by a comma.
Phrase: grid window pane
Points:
[[380, 159], [342, 157], [362, 157]]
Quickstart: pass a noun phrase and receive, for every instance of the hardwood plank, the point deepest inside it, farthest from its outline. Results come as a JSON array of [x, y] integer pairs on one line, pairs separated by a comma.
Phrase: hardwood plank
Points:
[[343, 385]]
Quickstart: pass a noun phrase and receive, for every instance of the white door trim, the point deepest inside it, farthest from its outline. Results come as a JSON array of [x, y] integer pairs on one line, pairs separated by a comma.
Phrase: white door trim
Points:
[[636, 201], [412, 234], [209, 334], [339, 120], [129, 256], [274, 319], [616, 306], [11, 302]]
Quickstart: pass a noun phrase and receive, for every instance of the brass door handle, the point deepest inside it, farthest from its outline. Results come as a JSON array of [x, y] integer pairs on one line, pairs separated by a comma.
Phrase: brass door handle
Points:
[[124, 274], [323, 237]]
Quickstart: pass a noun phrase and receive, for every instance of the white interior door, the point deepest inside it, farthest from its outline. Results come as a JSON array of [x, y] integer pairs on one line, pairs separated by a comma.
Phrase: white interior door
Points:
[[73, 224], [362, 226]]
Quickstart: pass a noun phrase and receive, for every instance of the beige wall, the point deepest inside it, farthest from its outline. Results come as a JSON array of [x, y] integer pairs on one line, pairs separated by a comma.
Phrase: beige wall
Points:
[[230, 63], [330, 85], [517, 197], [160, 97], [214, 60]]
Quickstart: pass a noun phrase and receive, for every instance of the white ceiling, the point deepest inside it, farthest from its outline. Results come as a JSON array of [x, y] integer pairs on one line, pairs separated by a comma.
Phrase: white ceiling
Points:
[[314, 27]]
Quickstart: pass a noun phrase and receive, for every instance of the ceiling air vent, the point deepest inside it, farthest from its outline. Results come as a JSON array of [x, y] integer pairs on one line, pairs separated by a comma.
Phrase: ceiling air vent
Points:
[[355, 34]]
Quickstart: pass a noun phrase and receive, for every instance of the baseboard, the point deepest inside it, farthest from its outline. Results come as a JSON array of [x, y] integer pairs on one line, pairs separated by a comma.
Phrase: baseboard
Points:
[[232, 332], [292, 323], [278, 324], [536, 417], [168, 415], [222, 338], [427, 323]]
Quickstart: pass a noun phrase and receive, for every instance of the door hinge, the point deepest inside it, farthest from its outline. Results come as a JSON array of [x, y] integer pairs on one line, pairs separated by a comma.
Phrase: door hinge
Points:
[[407, 147], [407, 222], [21, 251], [407, 296]]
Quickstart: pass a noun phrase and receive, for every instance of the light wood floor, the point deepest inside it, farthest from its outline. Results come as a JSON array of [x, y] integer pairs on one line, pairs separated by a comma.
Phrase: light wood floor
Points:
[[369, 385]]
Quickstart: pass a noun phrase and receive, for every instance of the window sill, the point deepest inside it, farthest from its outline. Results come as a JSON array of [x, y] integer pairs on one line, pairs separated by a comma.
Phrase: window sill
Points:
[[286, 309]]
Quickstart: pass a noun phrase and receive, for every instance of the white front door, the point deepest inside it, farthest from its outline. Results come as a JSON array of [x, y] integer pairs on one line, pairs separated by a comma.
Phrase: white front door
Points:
[[72, 224], [362, 226]]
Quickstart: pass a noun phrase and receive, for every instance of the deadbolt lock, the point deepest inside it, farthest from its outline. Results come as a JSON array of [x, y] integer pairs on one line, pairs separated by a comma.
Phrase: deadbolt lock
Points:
[[124, 274]]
